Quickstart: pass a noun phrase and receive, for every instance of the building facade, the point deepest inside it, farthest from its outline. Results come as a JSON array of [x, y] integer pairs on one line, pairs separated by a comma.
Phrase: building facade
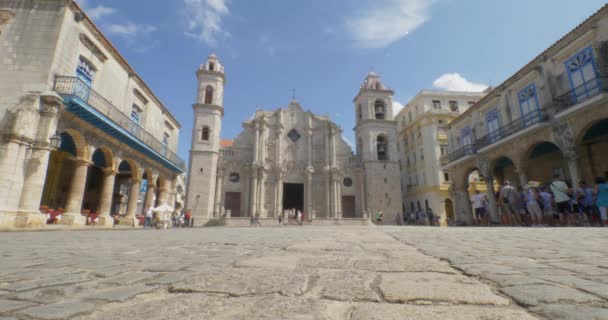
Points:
[[550, 117], [290, 158], [81, 132], [423, 140]]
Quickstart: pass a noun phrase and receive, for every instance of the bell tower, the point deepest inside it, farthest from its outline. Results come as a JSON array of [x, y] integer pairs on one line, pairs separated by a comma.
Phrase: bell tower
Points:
[[376, 133], [208, 112]]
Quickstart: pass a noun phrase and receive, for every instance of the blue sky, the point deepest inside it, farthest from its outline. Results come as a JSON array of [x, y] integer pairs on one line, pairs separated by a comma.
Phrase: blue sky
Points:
[[324, 48]]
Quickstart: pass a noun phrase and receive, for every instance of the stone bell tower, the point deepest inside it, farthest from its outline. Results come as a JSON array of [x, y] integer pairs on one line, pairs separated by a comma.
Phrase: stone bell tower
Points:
[[204, 153], [376, 133]]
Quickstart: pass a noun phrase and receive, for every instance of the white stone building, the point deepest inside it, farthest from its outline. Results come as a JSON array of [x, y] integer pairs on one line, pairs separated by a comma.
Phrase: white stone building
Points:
[[550, 117], [423, 140], [290, 158], [61, 78]]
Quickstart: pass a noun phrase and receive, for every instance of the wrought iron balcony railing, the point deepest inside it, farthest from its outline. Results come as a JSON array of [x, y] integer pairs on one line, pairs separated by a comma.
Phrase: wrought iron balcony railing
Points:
[[459, 154], [515, 126], [74, 86], [584, 92]]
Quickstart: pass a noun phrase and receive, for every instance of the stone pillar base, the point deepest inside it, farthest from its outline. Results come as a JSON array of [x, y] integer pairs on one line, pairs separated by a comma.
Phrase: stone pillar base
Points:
[[131, 222], [7, 220], [73, 219], [106, 222], [30, 220]]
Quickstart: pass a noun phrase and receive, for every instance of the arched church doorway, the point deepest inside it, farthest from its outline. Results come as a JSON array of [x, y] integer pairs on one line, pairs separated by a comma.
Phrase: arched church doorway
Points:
[[293, 196]]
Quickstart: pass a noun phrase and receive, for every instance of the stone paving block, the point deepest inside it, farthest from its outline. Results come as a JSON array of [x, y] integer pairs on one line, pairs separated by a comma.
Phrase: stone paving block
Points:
[[275, 260], [513, 279], [119, 294], [201, 306], [130, 278], [11, 305], [61, 310], [536, 294], [571, 312], [346, 285], [171, 277], [437, 287], [427, 312], [47, 282], [245, 281], [417, 263]]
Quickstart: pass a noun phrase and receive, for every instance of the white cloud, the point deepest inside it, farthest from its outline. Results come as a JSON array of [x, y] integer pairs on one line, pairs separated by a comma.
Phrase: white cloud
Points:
[[388, 21], [130, 29], [99, 12], [456, 82], [96, 13], [397, 106], [205, 20], [266, 44]]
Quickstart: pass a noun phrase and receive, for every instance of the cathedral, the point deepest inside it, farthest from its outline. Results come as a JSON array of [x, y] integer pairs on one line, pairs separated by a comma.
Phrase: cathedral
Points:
[[290, 158]]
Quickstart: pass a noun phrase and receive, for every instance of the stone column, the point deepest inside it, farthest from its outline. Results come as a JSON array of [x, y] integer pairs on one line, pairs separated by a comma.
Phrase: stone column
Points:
[[129, 218], [149, 200], [172, 194], [362, 203], [279, 194], [520, 170], [256, 143], [254, 192], [75, 195], [36, 167], [338, 186], [328, 211], [308, 194], [105, 200], [572, 160], [262, 194], [332, 144], [494, 218], [218, 193], [464, 213]]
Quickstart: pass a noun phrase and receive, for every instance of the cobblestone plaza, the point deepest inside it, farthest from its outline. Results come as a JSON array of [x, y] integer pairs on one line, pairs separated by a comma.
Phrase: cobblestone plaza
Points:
[[306, 273]]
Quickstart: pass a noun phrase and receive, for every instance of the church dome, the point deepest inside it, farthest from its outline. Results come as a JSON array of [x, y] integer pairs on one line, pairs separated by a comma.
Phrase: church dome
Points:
[[373, 82]]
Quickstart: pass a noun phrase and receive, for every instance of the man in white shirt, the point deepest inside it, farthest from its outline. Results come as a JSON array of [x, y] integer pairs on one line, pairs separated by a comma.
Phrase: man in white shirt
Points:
[[148, 217], [478, 201], [561, 195]]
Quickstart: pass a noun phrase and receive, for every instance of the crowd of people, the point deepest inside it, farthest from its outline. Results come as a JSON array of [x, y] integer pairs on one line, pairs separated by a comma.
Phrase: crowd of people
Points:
[[421, 217], [553, 203], [177, 218]]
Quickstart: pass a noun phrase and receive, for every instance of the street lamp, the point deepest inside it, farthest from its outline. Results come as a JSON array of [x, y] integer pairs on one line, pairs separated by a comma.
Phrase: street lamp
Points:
[[55, 141]]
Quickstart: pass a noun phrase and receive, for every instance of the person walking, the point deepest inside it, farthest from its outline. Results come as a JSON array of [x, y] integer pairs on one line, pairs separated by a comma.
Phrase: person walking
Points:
[[561, 193], [148, 217], [546, 202], [587, 201], [188, 218], [601, 193], [477, 201], [532, 199], [511, 202]]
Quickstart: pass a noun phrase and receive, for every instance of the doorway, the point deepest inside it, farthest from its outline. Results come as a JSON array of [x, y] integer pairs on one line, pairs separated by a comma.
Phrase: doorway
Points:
[[348, 206], [293, 196], [233, 203]]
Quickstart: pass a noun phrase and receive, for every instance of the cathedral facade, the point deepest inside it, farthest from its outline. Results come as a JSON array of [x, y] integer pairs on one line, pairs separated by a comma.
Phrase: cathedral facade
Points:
[[290, 158]]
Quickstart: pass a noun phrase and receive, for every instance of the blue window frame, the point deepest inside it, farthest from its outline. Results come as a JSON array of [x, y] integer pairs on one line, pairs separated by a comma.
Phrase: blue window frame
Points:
[[582, 72], [466, 138], [528, 104], [493, 123]]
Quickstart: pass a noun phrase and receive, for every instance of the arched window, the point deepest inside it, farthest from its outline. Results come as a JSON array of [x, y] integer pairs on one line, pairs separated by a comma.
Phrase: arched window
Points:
[[379, 109], [211, 66], [205, 135], [359, 112], [381, 148], [209, 95]]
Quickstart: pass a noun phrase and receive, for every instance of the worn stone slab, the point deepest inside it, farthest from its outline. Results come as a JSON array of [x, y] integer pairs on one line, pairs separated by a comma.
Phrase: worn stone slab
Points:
[[416, 263], [245, 281], [437, 287], [65, 279], [536, 294], [61, 310], [202, 306], [119, 294], [171, 277], [346, 285], [11, 305], [431, 312], [130, 278], [571, 312], [276, 260]]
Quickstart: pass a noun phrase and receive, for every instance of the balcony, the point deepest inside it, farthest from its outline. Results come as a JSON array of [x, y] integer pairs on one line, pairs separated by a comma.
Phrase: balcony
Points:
[[458, 154], [586, 91], [92, 107], [515, 126]]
